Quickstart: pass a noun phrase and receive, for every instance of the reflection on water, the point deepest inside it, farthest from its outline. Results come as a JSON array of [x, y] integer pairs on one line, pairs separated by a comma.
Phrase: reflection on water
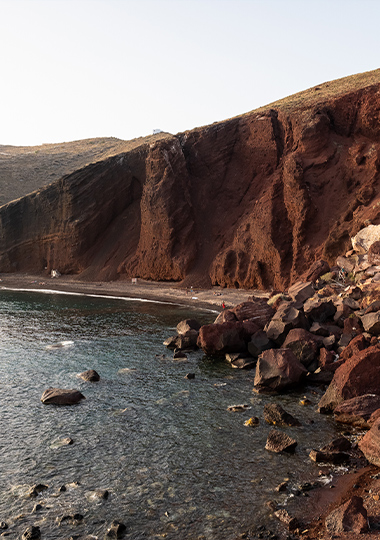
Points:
[[174, 461]]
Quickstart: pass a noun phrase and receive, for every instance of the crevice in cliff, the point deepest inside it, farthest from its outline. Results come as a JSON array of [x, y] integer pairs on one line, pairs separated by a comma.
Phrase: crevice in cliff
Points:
[[278, 134]]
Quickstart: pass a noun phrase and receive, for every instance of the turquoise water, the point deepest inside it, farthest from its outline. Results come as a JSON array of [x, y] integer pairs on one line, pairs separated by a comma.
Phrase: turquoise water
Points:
[[175, 462]]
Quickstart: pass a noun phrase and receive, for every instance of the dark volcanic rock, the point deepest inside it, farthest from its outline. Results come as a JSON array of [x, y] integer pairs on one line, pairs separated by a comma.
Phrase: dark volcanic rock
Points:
[[31, 533], [370, 444], [59, 396], [259, 343], [188, 324], [304, 345], [147, 212]]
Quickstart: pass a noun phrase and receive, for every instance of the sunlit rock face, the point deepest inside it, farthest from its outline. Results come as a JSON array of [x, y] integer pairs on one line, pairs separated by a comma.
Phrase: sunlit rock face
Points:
[[249, 202]]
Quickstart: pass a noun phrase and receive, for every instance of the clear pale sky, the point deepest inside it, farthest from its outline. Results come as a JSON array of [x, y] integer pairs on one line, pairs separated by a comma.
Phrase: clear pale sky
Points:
[[75, 69]]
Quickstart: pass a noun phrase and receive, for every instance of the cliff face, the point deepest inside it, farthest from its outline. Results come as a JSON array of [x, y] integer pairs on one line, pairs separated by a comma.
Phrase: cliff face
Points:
[[249, 202]]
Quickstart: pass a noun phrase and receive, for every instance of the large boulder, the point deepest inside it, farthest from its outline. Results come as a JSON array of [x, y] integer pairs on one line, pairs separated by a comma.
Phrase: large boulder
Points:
[[227, 315], [365, 238], [278, 441], [371, 323], [256, 309], [357, 344], [370, 444], [259, 343], [188, 324], [90, 375], [316, 270], [358, 410], [59, 396], [304, 345], [319, 309], [226, 337], [359, 375], [301, 291], [374, 253], [277, 369], [275, 415], [349, 517], [288, 316], [186, 340]]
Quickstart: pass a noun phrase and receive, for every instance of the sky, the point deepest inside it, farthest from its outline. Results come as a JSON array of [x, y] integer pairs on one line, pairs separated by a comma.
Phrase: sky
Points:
[[77, 69]]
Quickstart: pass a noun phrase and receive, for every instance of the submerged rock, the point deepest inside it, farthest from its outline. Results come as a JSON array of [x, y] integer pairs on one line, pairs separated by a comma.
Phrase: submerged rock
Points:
[[90, 375], [274, 414], [278, 441], [59, 396]]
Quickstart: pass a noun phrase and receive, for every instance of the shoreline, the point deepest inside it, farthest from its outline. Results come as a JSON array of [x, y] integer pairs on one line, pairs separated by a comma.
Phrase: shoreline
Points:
[[162, 292], [310, 511]]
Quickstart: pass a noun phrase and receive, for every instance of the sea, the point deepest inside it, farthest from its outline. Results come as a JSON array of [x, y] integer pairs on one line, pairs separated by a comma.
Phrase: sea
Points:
[[152, 449]]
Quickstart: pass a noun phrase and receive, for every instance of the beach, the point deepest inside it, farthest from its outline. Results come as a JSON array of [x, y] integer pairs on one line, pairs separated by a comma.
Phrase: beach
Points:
[[168, 292]]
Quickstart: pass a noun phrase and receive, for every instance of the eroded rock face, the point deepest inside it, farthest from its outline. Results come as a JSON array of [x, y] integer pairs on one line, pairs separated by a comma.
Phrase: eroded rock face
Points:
[[370, 444], [349, 517], [148, 212]]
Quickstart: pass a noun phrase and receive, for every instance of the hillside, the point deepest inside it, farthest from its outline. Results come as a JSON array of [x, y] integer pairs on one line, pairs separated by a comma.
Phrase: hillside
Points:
[[248, 202]]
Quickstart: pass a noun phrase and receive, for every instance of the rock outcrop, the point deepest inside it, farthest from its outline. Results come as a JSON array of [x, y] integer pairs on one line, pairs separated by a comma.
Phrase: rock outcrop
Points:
[[249, 202]]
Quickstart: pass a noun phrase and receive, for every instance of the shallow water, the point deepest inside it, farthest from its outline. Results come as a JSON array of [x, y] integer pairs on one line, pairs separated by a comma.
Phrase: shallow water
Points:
[[175, 462]]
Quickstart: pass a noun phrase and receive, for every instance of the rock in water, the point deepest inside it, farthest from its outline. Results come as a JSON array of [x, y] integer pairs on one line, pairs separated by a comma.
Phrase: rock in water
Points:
[[90, 375], [59, 396], [278, 441]]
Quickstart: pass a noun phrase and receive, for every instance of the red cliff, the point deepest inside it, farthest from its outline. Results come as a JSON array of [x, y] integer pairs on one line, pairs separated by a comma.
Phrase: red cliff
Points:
[[248, 202]]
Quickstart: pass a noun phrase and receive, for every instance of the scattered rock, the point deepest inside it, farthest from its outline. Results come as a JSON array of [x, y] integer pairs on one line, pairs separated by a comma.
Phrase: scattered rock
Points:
[[304, 345], [319, 309], [116, 530], [238, 408], [59, 396], [284, 517], [72, 519], [278, 441], [335, 458], [90, 375], [274, 414], [190, 376], [371, 323], [31, 533], [301, 291], [252, 422], [259, 343], [36, 490]]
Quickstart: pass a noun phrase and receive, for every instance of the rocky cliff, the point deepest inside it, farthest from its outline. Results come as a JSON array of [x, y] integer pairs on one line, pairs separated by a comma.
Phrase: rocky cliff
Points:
[[248, 202]]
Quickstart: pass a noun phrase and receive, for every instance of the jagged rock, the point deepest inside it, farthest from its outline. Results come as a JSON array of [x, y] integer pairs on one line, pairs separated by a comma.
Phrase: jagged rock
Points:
[[349, 517], [301, 291], [373, 307], [278, 441], [252, 422], [59, 396], [274, 414], [370, 444], [227, 315], [304, 345], [352, 326], [357, 344], [37, 489], [341, 444], [73, 519], [188, 324], [365, 238], [278, 369], [259, 343], [240, 361], [226, 337], [286, 318], [371, 323], [316, 270], [284, 516], [31, 533], [179, 355], [358, 410], [335, 458], [90, 375], [187, 340], [326, 358], [319, 309], [359, 375]]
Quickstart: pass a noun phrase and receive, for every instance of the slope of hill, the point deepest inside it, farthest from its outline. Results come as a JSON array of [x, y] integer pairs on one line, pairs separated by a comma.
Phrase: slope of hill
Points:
[[248, 202]]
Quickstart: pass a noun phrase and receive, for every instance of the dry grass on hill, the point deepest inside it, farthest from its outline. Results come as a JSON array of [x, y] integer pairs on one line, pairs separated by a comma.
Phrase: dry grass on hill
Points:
[[24, 169]]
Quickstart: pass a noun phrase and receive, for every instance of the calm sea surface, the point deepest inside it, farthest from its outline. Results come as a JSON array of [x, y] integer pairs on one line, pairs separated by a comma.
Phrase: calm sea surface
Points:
[[175, 462]]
